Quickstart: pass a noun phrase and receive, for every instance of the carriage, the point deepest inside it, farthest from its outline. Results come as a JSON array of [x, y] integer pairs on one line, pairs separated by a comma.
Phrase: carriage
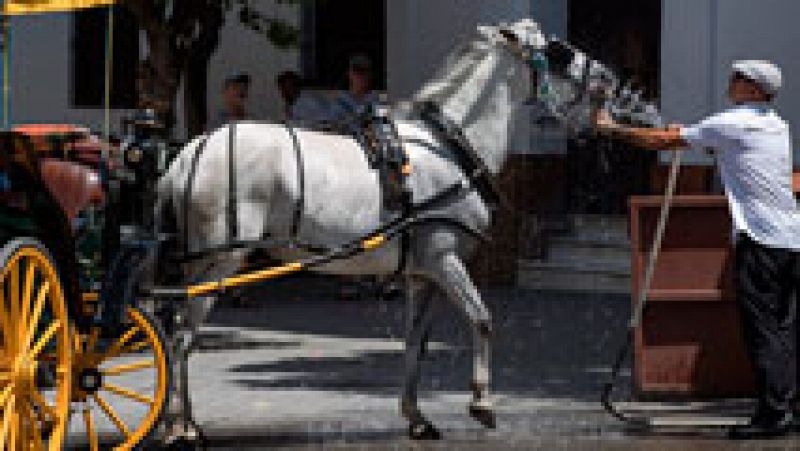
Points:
[[58, 362]]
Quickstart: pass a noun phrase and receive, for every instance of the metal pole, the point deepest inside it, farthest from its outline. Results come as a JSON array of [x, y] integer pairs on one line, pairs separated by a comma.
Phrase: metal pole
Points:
[[6, 70], [108, 78]]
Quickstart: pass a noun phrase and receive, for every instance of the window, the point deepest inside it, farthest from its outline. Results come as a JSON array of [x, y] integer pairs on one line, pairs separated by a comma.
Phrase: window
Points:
[[89, 55], [333, 30]]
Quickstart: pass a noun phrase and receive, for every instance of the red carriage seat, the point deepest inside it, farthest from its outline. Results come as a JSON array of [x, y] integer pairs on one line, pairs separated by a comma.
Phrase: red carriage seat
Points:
[[73, 185], [66, 154]]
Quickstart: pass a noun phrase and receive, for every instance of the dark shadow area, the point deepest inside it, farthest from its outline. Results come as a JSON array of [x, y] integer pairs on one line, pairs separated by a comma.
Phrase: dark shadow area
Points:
[[550, 345]]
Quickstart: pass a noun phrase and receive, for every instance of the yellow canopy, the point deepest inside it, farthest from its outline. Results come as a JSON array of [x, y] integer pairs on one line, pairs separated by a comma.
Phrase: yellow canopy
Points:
[[18, 7]]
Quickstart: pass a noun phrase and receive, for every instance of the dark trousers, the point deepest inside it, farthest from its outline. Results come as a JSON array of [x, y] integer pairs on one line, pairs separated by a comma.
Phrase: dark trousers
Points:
[[766, 282]]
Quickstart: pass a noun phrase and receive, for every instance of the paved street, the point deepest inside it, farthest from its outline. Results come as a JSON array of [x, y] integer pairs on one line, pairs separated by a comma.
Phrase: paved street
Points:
[[293, 370]]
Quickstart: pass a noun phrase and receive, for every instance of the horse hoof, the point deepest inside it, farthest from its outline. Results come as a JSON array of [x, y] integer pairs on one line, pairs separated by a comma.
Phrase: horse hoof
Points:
[[423, 431], [484, 416], [182, 438]]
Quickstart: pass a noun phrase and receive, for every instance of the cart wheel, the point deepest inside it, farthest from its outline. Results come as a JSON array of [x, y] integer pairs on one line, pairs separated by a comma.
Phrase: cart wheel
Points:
[[36, 357], [121, 384]]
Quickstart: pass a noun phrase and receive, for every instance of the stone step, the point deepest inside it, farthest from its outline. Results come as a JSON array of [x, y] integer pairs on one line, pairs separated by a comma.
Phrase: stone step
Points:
[[574, 248], [567, 279], [592, 254], [610, 267], [615, 223]]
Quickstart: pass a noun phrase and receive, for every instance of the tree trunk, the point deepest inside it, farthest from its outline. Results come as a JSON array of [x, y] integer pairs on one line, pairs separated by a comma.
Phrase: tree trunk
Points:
[[166, 79], [195, 98]]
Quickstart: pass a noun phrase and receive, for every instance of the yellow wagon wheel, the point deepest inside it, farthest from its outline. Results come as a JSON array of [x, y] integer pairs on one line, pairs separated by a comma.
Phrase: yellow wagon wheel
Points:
[[121, 385], [35, 360]]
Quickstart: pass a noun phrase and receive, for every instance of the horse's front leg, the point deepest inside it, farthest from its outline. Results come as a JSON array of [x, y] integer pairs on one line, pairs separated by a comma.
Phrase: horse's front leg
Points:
[[452, 276], [419, 314]]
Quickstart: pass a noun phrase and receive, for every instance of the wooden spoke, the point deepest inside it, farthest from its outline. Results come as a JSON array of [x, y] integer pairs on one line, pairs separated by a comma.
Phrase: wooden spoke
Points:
[[130, 394], [5, 323], [8, 412], [88, 421], [30, 276], [13, 295], [91, 340], [34, 432], [36, 314], [39, 400], [128, 368], [4, 396], [112, 415], [116, 348], [15, 429], [136, 347], [45, 338]]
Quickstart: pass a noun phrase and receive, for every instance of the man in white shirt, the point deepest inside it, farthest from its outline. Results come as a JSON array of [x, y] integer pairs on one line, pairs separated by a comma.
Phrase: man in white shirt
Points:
[[753, 148]]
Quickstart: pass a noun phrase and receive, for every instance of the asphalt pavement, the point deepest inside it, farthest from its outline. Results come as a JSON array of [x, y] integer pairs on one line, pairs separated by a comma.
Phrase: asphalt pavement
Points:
[[297, 368]]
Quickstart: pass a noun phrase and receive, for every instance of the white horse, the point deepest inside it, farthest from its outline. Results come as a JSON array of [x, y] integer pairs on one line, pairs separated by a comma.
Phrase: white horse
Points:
[[478, 89]]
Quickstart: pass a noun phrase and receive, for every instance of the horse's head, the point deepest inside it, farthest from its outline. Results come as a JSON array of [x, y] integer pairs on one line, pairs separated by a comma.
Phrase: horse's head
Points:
[[566, 84]]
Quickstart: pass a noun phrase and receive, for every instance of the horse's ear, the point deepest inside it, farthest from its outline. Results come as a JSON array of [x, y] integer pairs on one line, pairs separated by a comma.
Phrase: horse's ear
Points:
[[488, 32]]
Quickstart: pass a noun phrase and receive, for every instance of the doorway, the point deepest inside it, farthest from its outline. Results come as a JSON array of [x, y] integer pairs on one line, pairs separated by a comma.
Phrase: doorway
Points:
[[626, 36]]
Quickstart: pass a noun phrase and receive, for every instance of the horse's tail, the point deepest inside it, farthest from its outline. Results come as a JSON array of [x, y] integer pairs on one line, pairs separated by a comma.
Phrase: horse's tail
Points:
[[165, 188]]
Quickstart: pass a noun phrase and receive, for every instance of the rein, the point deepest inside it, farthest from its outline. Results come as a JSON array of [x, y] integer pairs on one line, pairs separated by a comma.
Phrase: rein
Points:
[[641, 300]]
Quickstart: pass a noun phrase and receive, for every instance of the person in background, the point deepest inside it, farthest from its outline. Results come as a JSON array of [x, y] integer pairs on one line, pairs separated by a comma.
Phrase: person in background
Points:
[[235, 92], [349, 105], [300, 108], [752, 144], [289, 86]]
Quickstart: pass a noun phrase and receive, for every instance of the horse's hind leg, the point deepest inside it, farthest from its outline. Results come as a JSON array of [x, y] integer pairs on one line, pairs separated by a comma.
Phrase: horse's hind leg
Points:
[[419, 314], [180, 424], [452, 276]]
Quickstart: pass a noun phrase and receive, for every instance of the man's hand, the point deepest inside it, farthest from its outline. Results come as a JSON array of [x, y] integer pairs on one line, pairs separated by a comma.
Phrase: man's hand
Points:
[[603, 123]]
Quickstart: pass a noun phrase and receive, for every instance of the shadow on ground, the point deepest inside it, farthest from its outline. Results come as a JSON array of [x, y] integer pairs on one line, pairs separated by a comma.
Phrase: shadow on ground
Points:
[[552, 345]]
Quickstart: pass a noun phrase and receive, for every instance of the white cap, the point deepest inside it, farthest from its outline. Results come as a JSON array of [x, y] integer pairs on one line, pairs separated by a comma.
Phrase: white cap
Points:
[[764, 73]]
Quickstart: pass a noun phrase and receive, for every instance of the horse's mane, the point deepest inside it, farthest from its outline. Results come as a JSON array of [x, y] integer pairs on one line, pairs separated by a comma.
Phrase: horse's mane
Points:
[[473, 89], [458, 67]]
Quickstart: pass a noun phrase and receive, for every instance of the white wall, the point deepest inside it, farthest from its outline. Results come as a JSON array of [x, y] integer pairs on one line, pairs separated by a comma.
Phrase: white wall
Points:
[[420, 33], [40, 73], [241, 49], [700, 39], [41, 70]]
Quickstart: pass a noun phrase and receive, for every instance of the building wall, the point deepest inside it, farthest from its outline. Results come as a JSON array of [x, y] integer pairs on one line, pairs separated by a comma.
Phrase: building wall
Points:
[[41, 70], [700, 39], [241, 49], [40, 73], [421, 33]]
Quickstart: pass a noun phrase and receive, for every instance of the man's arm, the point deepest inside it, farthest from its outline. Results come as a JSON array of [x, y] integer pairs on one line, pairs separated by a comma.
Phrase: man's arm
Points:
[[647, 138]]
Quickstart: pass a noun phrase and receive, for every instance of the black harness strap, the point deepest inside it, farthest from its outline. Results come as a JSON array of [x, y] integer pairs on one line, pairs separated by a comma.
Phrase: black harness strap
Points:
[[300, 205], [233, 202], [467, 157], [187, 193]]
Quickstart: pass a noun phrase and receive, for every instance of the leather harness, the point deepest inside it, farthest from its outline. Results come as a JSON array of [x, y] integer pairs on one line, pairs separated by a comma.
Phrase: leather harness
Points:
[[467, 159]]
